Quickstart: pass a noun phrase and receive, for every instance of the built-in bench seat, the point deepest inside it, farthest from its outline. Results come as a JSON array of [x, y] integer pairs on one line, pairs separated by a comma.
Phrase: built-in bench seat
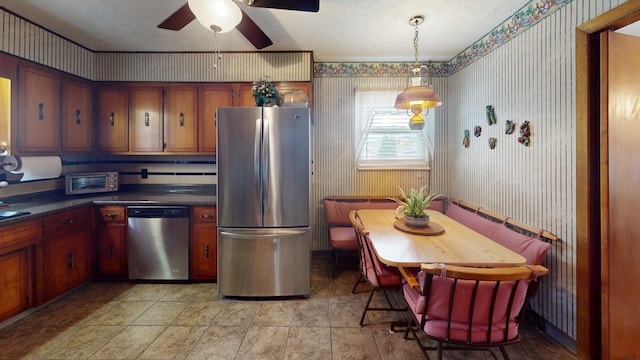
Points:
[[527, 241], [341, 235]]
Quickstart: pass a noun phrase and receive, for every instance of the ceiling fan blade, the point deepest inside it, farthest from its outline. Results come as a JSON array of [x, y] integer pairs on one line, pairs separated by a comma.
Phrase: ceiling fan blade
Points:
[[299, 5], [179, 19], [253, 33]]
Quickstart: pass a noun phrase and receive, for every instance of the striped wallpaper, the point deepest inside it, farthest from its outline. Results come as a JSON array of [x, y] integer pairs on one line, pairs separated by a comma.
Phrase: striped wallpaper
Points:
[[529, 78], [203, 67]]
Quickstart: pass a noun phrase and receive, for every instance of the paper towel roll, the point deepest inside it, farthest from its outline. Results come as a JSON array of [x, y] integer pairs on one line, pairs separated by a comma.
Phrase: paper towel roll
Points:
[[38, 167]]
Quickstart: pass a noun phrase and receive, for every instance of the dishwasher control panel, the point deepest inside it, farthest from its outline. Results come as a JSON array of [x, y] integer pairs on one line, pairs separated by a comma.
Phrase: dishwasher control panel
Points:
[[158, 211]]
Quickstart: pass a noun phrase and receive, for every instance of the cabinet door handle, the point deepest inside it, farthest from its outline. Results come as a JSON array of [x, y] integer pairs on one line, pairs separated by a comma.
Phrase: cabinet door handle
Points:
[[110, 250], [112, 119], [78, 116], [206, 216], [70, 261], [206, 251], [146, 119], [40, 111], [181, 119], [112, 215], [69, 222]]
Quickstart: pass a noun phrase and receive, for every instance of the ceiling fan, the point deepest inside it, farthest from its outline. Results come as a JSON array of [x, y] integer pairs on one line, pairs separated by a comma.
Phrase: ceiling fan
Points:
[[247, 27]]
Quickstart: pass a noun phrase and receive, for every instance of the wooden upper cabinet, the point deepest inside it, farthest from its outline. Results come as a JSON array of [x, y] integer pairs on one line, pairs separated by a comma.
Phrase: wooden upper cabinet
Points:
[[145, 122], [181, 119], [112, 119], [244, 96], [38, 111], [77, 117], [211, 98]]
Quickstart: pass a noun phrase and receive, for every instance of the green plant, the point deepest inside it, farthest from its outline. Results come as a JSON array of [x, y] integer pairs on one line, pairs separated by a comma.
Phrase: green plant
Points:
[[415, 202], [264, 92]]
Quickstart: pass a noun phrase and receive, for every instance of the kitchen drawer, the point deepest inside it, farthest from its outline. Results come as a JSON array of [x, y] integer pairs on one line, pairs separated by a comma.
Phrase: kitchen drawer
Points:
[[111, 213], [22, 233], [203, 214], [67, 221]]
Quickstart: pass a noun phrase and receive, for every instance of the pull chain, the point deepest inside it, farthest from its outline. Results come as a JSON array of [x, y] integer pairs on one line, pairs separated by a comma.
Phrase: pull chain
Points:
[[216, 46]]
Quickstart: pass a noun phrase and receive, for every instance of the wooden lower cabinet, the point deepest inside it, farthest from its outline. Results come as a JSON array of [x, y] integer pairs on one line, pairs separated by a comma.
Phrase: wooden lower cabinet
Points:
[[15, 282], [110, 238], [203, 243], [66, 248]]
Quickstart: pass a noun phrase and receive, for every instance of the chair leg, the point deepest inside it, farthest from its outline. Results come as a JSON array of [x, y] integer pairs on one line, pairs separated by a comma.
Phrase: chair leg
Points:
[[366, 306], [439, 350], [413, 330], [334, 255], [390, 308], [359, 279], [504, 353]]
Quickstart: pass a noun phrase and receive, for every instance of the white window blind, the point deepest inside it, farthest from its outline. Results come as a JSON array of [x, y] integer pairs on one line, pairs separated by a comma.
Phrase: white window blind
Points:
[[383, 138]]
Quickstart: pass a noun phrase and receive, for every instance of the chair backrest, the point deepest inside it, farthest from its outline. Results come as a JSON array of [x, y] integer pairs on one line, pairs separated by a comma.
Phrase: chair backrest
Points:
[[377, 273], [476, 306]]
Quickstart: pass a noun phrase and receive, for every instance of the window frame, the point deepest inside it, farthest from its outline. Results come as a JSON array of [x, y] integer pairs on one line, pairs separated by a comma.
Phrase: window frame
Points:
[[365, 125]]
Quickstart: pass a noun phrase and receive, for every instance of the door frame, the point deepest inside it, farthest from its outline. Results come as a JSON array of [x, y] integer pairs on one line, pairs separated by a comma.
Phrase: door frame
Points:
[[588, 239]]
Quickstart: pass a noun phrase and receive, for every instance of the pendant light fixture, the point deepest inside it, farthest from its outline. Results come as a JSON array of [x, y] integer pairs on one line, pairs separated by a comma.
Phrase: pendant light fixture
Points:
[[418, 95], [219, 16]]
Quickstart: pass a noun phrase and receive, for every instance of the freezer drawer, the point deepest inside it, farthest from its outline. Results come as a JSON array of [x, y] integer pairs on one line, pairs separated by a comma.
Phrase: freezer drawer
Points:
[[264, 263]]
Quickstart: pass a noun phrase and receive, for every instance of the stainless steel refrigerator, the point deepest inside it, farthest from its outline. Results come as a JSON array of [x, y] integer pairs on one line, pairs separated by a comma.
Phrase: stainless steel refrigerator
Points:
[[263, 199]]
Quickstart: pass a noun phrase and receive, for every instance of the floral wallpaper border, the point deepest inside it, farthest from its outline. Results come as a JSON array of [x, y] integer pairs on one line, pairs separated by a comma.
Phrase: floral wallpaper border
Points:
[[526, 17]]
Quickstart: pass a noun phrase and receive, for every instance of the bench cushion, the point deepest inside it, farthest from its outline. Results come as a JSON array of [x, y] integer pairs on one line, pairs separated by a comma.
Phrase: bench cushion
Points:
[[343, 237], [533, 249], [337, 212], [472, 220]]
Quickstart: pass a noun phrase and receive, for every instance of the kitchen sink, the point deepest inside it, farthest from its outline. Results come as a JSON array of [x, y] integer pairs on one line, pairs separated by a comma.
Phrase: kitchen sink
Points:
[[9, 214]]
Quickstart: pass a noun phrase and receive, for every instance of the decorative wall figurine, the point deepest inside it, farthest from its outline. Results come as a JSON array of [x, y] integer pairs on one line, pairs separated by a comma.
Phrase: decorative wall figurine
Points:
[[509, 127], [466, 140], [525, 134], [492, 143], [491, 115], [477, 131]]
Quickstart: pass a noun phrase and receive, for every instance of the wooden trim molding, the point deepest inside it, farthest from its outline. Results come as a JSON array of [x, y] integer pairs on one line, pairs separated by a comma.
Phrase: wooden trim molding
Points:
[[588, 240]]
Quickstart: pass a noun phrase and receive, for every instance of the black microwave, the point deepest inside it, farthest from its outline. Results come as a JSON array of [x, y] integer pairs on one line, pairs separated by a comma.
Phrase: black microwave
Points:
[[87, 183]]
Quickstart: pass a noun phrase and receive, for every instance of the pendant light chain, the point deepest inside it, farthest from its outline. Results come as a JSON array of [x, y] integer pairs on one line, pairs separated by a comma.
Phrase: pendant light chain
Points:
[[216, 50], [415, 42]]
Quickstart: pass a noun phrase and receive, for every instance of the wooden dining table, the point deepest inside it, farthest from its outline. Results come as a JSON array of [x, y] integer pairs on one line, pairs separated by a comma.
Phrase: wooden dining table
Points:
[[457, 245]]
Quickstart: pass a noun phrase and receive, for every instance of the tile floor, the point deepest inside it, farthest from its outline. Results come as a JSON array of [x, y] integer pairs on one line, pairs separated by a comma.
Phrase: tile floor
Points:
[[108, 320]]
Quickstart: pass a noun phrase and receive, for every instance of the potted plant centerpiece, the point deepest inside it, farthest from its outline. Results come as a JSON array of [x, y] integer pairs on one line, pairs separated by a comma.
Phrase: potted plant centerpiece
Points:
[[415, 204], [265, 93]]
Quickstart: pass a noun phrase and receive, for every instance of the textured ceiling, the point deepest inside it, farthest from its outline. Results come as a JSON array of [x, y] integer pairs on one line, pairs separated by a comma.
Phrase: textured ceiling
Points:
[[343, 30]]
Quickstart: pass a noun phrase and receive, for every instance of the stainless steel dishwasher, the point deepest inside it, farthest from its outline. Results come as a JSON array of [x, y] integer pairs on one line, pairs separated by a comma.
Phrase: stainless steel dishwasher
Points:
[[158, 242]]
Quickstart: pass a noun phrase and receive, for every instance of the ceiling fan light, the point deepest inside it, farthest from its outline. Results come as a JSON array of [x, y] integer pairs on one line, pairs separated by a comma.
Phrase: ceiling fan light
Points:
[[219, 16]]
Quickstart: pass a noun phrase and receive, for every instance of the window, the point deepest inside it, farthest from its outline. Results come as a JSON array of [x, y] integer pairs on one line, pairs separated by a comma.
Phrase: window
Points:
[[383, 138]]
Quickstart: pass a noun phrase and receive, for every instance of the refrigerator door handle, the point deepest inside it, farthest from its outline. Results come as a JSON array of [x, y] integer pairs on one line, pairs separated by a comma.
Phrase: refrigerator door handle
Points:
[[266, 157], [268, 236], [257, 159]]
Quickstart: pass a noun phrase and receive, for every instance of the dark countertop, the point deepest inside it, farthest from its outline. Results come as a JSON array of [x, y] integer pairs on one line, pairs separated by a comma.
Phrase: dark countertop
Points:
[[51, 202]]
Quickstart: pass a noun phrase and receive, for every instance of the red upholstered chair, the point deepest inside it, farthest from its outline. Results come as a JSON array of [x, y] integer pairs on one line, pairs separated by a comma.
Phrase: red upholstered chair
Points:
[[379, 276], [341, 235], [467, 307]]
